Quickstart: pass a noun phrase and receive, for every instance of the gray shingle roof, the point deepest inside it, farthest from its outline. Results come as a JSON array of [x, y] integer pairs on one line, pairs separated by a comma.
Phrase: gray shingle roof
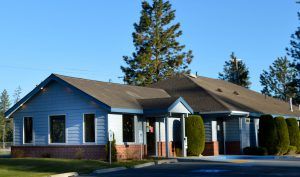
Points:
[[115, 95], [211, 95]]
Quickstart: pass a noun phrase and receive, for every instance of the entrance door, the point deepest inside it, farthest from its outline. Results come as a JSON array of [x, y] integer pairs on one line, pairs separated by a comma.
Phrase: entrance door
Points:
[[220, 135], [151, 136]]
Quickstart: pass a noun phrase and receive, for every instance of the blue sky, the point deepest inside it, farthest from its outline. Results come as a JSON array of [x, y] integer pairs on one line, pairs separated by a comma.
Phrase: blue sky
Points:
[[88, 38]]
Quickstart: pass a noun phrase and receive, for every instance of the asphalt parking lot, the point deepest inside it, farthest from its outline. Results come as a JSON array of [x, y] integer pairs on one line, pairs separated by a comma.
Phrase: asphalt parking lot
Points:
[[207, 169]]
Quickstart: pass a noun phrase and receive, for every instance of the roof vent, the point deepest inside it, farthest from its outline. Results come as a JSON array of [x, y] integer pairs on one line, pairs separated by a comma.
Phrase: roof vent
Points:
[[236, 93], [291, 104], [193, 75], [219, 90]]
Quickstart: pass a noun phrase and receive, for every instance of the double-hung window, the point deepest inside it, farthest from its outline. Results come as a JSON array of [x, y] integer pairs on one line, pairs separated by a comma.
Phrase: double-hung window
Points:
[[28, 130], [89, 128], [57, 129]]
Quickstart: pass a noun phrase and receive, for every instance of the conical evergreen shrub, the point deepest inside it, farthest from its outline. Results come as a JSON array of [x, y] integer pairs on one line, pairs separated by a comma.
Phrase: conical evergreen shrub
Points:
[[283, 136], [267, 134]]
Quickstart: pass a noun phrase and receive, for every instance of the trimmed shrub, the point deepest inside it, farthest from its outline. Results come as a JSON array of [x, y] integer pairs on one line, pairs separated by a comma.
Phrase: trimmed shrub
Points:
[[294, 133], [113, 150], [292, 150], [267, 135], [194, 128], [178, 152], [255, 151], [283, 135], [79, 153], [19, 153]]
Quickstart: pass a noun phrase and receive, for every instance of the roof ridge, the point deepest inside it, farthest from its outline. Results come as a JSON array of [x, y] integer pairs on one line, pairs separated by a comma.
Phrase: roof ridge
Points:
[[208, 92], [93, 80]]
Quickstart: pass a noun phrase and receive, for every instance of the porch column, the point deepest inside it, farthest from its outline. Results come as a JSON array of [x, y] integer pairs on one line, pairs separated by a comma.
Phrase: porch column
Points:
[[183, 135], [167, 136]]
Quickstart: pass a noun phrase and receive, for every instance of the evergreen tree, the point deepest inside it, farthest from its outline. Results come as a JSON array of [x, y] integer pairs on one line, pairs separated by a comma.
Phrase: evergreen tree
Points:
[[283, 142], [17, 94], [4, 105], [294, 52], [158, 53], [278, 81], [236, 72]]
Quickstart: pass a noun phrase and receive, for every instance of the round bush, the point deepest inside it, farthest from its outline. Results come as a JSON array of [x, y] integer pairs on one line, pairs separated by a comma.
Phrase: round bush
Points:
[[267, 135], [292, 150], [283, 136], [194, 128], [294, 133]]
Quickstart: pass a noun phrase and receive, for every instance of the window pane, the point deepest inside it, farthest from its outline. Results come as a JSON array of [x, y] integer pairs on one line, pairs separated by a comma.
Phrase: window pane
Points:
[[28, 129], [89, 127], [128, 128], [57, 129]]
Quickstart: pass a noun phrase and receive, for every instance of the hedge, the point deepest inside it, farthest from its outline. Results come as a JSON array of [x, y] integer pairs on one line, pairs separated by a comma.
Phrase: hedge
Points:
[[293, 133], [114, 152], [267, 135], [283, 136], [194, 128]]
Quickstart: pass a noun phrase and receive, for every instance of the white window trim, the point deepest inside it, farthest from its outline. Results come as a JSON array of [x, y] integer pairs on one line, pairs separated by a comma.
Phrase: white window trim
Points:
[[33, 135], [83, 129], [66, 130]]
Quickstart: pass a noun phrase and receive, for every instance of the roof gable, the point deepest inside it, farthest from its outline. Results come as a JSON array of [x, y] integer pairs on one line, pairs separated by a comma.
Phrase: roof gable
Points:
[[214, 95], [111, 97]]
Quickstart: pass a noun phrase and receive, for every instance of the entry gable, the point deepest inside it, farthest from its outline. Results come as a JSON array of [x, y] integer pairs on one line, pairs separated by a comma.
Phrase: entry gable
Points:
[[165, 106]]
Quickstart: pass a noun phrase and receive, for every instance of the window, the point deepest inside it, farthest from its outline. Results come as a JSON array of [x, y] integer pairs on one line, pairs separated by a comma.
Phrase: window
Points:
[[128, 128], [28, 130], [58, 129], [89, 128]]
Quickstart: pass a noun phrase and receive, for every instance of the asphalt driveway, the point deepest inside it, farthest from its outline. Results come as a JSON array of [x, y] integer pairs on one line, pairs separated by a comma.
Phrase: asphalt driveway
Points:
[[236, 168]]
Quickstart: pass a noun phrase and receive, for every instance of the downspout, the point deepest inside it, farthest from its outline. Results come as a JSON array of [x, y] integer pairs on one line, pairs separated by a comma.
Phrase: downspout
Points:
[[224, 136]]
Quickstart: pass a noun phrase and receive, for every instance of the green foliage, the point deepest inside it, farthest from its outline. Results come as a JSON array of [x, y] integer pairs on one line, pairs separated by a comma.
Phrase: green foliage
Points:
[[17, 94], [283, 135], [79, 153], [292, 150], [267, 135], [255, 151], [195, 133], [236, 72], [158, 53], [4, 105], [294, 133], [114, 152], [278, 82], [294, 52], [18, 154]]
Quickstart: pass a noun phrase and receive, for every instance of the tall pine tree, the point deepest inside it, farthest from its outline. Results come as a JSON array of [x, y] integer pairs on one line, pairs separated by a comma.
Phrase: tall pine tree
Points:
[[278, 81], [17, 94], [294, 52], [235, 71], [158, 53], [4, 105]]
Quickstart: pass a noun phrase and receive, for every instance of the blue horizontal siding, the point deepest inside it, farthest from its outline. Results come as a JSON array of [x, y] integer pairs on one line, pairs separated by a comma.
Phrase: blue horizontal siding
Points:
[[56, 99]]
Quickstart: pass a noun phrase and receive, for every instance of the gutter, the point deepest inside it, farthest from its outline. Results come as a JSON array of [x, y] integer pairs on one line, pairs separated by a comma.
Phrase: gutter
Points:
[[227, 112]]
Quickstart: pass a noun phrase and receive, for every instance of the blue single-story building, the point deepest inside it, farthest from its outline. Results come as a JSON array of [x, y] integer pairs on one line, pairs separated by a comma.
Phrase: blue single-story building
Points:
[[230, 112], [66, 117]]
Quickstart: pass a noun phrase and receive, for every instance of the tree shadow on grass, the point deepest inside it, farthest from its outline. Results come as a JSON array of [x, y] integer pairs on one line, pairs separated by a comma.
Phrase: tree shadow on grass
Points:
[[34, 165]]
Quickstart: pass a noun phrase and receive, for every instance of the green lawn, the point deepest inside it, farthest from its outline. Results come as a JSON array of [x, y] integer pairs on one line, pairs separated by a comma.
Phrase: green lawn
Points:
[[38, 167]]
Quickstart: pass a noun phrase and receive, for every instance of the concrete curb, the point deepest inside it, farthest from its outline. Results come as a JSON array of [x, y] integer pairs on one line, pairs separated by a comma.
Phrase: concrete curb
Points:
[[201, 160], [70, 174], [144, 165], [109, 170], [166, 161]]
